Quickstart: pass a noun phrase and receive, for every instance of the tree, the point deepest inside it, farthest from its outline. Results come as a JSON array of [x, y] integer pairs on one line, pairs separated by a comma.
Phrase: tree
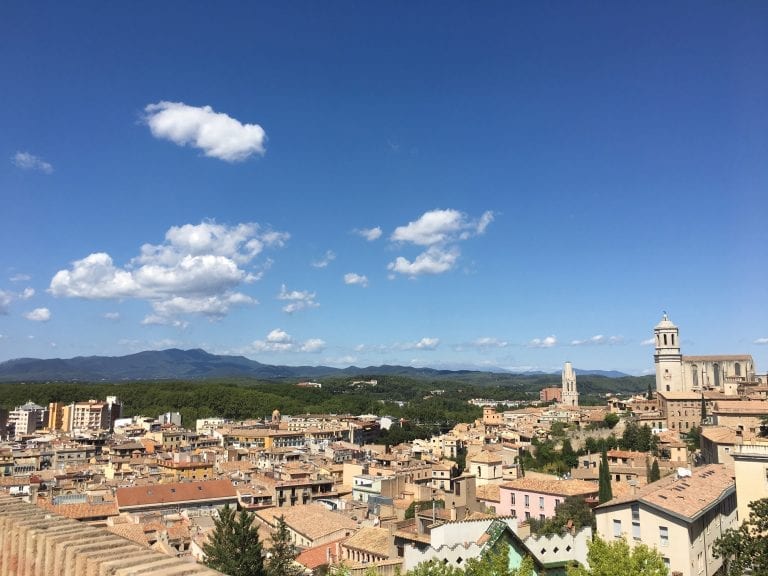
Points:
[[616, 557], [655, 472], [703, 409], [611, 419], [573, 510], [495, 562], [234, 547], [745, 547], [569, 454], [283, 552], [605, 492], [649, 395]]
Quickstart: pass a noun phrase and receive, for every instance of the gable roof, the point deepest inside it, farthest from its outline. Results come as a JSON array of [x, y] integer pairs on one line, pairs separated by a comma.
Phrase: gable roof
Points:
[[214, 491]]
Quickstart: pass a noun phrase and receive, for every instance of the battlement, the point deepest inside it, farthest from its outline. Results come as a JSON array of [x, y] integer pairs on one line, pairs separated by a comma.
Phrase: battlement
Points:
[[35, 542]]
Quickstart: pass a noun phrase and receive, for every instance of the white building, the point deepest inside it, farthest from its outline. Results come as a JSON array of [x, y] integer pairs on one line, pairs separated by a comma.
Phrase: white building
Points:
[[28, 418]]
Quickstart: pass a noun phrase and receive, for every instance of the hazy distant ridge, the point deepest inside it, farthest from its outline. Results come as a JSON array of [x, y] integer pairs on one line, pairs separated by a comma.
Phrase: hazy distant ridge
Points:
[[196, 364]]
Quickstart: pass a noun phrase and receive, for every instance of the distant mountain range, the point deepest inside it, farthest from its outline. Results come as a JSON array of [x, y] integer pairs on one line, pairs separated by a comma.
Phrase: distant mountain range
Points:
[[197, 364]]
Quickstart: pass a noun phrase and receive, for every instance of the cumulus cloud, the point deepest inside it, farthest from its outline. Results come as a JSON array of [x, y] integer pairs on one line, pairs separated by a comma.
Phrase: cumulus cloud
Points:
[[488, 342], [323, 262], [648, 342], [355, 279], [27, 161], [433, 261], [547, 342], [7, 297], [195, 271], [297, 299], [439, 231], [369, 234], [441, 226], [216, 134], [598, 340], [423, 344], [761, 341], [278, 340], [38, 315]]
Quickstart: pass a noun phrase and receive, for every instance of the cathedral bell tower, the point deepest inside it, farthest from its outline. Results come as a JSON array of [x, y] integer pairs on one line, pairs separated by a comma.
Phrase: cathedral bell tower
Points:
[[668, 360]]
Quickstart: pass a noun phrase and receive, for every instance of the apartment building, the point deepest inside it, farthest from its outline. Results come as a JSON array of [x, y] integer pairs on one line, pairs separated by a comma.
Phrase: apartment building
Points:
[[681, 515]]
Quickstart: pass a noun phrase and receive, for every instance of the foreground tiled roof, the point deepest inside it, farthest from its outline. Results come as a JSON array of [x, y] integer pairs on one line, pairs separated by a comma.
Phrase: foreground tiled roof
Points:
[[686, 497]]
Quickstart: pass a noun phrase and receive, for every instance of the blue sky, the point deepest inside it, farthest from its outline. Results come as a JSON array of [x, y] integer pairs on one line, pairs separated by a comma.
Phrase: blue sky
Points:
[[441, 184]]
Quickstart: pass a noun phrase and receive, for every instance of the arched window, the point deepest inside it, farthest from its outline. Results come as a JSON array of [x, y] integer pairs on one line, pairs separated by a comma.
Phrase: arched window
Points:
[[737, 369], [665, 339], [695, 375], [673, 339], [716, 369]]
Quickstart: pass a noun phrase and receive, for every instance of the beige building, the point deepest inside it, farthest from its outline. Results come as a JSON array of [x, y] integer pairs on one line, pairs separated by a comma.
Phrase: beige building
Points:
[[680, 515], [718, 444], [751, 467], [681, 410], [746, 415], [678, 373]]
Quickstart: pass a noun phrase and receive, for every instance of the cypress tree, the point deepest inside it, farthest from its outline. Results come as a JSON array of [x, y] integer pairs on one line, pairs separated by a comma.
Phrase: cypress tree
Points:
[[283, 552], [234, 547], [655, 472], [605, 492]]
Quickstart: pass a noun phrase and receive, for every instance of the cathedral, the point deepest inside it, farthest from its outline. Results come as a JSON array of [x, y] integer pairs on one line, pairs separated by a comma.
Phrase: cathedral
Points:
[[678, 373]]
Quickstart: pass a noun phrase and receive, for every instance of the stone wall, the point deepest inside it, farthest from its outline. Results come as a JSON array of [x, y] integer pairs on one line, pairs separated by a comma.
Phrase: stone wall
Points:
[[34, 542]]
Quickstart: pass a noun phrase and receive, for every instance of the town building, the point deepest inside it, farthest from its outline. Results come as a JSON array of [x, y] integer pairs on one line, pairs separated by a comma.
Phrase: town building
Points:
[[570, 395], [751, 470], [680, 515], [538, 498]]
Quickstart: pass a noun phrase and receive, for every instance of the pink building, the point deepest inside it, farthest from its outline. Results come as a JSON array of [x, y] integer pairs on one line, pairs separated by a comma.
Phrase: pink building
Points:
[[537, 498]]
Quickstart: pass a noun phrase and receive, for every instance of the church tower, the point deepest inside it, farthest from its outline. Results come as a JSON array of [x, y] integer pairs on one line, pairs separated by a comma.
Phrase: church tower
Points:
[[570, 396], [668, 360]]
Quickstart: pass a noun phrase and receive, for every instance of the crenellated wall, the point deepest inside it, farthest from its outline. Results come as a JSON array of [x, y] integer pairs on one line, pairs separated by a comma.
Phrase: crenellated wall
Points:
[[34, 542]]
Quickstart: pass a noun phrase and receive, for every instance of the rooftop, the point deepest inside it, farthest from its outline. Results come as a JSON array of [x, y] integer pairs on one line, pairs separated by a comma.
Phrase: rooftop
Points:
[[687, 497], [555, 487]]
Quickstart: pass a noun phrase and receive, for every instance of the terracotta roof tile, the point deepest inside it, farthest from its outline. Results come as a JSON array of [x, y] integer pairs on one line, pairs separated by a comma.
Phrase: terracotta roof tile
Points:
[[175, 493]]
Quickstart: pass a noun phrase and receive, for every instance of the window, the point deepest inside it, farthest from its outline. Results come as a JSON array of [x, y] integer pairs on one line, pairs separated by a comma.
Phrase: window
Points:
[[737, 369], [541, 516], [527, 515], [527, 500], [636, 530], [513, 499], [663, 536], [541, 502], [636, 512], [617, 528]]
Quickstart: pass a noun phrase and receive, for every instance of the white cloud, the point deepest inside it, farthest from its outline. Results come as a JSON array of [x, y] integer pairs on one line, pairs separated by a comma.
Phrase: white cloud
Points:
[[216, 134], [27, 161], [325, 260], [423, 344], [547, 342], [441, 226], [488, 342], [195, 271], [278, 340], [597, 340], [5, 301], [297, 299], [369, 234], [355, 279], [7, 297], [648, 342], [38, 315], [313, 345], [761, 341], [114, 316], [21, 278], [440, 231], [433, 261]]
